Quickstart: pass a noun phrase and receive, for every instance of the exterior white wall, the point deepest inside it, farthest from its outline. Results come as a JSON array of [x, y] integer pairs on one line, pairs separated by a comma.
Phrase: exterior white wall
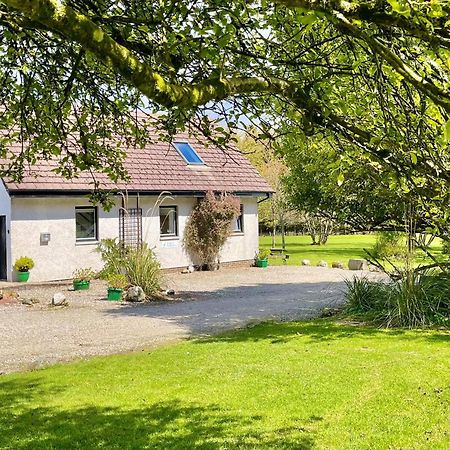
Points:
[[244, 246], [62, 255], [57, 260], [5, 210], [169, 250]]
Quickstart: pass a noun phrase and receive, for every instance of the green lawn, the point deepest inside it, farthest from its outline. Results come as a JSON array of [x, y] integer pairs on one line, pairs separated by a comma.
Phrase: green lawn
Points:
[[275, 386], [338, 248]]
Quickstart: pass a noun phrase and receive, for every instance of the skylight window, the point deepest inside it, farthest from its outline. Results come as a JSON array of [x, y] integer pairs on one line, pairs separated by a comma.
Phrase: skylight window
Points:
[[188, 153]]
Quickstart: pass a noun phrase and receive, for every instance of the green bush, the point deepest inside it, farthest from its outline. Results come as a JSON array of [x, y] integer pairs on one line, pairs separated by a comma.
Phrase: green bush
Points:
[[111, 253], [84, 274], [390, 244], [143, 269], [364, 296], [117, 281], [417, 300], [139, 266], [263, 254], [23, 264]]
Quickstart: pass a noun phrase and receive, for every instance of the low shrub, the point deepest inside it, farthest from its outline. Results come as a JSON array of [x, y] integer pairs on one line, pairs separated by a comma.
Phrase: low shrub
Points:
[[139, 265], [83, 274], [117, 281], [208, 228], [389, 244], [111, 253], [143, 269], [23, 264], [417, 300]]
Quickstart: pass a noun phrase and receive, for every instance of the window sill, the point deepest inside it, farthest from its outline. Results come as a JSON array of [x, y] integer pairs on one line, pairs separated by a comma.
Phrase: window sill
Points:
[[81, 243], [238, 233], [169, 238]]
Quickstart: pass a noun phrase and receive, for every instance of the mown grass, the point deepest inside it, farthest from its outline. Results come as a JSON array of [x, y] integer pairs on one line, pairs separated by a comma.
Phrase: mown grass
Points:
[[338, 248], [304, 385]]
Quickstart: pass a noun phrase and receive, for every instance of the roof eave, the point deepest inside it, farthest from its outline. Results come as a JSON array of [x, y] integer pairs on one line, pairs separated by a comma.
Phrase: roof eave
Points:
[[148, 193]]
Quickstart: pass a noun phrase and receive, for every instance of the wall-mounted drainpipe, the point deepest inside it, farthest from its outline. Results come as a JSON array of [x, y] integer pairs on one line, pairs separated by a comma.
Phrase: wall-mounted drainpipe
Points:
[[260, 201], [265, 198]]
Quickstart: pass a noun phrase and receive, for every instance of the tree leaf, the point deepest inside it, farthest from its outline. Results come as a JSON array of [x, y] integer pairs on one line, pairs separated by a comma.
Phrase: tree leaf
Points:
[[447, 131], [401, 7]]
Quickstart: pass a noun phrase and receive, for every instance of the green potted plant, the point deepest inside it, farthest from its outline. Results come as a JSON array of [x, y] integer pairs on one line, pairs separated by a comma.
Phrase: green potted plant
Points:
[[262, 258], [82, 278], [116, 284], [23, 265]]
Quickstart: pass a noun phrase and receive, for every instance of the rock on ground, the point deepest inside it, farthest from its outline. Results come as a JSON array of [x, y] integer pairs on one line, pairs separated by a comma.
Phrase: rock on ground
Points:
[[59, 299], [135, 294]]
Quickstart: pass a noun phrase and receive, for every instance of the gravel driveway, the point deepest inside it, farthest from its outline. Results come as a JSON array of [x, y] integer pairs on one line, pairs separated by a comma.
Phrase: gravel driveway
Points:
[[206, 303]]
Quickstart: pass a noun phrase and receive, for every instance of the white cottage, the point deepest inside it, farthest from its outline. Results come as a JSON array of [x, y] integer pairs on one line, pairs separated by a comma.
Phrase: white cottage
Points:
[[51, 219]]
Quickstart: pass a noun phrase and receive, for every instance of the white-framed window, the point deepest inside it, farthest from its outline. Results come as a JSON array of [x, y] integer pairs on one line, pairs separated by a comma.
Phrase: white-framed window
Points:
[[239, 222], [188, 153], [86, 225], [168, 221]]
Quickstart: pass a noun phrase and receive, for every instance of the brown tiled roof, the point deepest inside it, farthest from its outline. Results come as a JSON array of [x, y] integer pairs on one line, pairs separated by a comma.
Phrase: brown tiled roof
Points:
[[156, 167]]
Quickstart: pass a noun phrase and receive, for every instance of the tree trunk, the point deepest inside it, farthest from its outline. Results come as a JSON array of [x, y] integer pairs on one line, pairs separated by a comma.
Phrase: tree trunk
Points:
[[326, 228]]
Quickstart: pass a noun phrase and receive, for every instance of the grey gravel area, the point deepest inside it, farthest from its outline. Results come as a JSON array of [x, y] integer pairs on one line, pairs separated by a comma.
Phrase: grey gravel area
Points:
[[206, 303]]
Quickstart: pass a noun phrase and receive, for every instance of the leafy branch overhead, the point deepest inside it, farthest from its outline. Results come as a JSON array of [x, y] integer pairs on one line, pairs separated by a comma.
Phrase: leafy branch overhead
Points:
[[370, 75], [80, 28]]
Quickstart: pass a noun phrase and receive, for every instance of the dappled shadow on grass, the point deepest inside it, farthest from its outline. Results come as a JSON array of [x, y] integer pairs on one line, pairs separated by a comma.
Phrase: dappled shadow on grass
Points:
[[324, 330], [165, 425]]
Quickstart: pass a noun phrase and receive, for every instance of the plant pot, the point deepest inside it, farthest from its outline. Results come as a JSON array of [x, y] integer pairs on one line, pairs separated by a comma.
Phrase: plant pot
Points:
[[114, 294], [23, 276], [262, 262], [81, 285]]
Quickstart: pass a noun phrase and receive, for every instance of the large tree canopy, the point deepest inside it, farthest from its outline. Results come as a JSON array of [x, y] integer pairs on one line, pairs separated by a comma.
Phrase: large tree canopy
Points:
[[356, 194], [370, 75]]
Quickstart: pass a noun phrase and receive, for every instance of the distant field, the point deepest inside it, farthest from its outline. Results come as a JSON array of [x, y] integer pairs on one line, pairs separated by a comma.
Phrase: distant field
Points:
[[338, 248]]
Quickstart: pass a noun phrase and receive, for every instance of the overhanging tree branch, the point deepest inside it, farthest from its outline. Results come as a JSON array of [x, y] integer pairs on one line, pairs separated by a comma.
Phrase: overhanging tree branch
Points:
[[439, 96], [340, 12], [380, 12], [79, 28]]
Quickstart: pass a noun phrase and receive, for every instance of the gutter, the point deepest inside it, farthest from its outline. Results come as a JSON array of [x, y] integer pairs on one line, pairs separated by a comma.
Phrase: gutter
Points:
[[82, 193], [268, 195]]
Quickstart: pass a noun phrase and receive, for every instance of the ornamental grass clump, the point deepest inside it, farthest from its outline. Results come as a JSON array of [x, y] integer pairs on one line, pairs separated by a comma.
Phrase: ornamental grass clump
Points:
[[208, 228], [143, 269], [139, 265], [418, 299]]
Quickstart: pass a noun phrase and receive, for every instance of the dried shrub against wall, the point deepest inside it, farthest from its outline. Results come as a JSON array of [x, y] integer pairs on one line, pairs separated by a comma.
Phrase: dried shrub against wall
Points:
[[208, 228]]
